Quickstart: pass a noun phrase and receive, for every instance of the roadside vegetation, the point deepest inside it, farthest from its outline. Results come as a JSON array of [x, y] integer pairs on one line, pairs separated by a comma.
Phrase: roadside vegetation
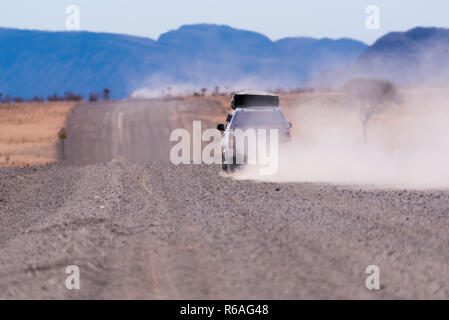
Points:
[[29, 127], [68, 96], [28, 131]]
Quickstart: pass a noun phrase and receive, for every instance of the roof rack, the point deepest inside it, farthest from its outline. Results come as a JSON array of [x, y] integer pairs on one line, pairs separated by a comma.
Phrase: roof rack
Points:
[[249, 99]]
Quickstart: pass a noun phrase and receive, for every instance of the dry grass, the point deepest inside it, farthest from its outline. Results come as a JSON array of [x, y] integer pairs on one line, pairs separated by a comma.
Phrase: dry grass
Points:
[[28, 132]]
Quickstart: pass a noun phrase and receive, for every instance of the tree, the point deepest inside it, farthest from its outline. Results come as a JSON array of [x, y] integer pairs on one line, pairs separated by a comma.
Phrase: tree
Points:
[[69, 96], [54, 98], [8, 99], [93, 97], [216, 91], [37, 99], [106, 93], [370, 96], [203, 91]]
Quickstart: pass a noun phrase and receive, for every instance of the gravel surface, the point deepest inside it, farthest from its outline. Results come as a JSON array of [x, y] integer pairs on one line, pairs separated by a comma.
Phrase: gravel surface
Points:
[[139, 227]]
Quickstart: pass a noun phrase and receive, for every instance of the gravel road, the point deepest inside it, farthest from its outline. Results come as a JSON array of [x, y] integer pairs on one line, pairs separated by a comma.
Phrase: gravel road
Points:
[[140, 227]]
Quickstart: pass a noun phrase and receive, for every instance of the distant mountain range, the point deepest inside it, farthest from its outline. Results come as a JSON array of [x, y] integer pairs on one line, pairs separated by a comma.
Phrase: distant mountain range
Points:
[[43, 63]]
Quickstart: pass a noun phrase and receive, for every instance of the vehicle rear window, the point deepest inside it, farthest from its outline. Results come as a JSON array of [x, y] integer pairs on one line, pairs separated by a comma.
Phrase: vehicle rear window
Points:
[[259, 119]]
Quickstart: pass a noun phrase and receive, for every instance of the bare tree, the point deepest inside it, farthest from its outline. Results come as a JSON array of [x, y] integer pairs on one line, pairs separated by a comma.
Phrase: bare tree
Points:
[[370, 96], [106, 93]]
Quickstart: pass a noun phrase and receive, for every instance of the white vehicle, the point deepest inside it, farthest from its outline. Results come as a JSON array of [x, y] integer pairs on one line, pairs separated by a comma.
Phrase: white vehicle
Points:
[[252, 110]]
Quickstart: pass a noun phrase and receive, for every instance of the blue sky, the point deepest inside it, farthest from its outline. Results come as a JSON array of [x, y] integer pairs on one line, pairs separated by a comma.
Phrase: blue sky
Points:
[[275, 19]]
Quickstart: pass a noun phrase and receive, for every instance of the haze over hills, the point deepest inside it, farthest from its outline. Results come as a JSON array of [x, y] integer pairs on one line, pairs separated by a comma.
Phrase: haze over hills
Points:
[[193, 56], [418, 56], [42, 63]]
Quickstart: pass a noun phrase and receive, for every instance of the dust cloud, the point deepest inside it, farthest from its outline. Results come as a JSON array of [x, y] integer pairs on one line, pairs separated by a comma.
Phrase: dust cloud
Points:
[[407, 146], [160, 86]]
